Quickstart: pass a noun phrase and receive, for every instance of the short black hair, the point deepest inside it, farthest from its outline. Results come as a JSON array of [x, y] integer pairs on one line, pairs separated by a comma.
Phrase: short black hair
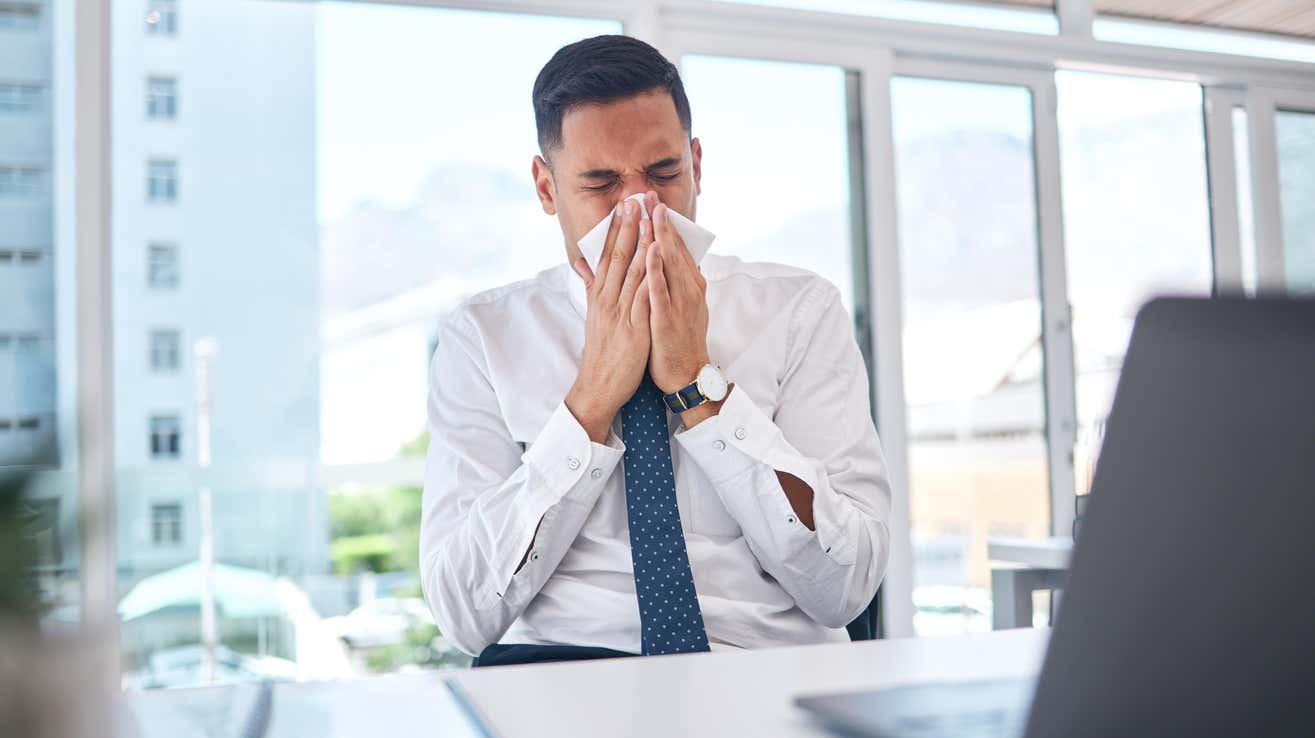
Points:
[[601, 69]]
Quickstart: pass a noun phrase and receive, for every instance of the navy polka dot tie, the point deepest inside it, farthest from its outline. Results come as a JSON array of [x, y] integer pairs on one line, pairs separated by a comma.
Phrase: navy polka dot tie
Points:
[[669, 616]]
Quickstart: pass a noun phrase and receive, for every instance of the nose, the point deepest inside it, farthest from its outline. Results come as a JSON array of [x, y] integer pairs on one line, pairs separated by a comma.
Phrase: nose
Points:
[[639, 189]]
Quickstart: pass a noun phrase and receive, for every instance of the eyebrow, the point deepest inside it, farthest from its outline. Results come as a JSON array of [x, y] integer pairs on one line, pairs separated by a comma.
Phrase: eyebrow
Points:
[[610, 173]]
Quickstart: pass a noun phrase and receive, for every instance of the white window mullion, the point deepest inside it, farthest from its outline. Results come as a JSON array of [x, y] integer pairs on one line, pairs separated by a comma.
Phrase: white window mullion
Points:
[[1221, 166], [1075, 17], [1056, 316], [886, 305]]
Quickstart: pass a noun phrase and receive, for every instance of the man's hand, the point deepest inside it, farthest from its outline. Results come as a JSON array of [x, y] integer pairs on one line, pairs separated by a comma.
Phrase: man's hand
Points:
[[678, 297], [616, 333]]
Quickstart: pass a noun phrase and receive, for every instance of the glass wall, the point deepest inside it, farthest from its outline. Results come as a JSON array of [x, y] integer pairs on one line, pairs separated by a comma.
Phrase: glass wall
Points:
[[39, 503], [1136, 221], [775, 186], [1295, 138], [330, 193], [972, 337]]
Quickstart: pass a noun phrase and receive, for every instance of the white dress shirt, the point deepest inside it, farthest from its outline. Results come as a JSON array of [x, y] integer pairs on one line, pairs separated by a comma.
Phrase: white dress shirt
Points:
[[509, 464]]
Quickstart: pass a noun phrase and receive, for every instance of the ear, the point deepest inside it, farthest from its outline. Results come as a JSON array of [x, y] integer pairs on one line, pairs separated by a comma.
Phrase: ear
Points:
[[696, 155], [544, 185]]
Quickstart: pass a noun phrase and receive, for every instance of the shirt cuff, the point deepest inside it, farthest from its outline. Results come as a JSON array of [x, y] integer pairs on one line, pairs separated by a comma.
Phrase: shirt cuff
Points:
[[731, 442], [564, 455]]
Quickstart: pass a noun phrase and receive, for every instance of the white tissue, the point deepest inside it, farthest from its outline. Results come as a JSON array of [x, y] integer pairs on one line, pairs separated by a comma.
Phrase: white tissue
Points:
[[697, 238]]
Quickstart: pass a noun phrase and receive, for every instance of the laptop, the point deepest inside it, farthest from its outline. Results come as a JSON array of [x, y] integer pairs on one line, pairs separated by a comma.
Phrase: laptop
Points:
[[1190, 604]]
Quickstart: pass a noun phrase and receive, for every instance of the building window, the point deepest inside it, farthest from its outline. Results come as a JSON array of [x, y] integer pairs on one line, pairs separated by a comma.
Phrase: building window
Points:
[[162, 180], [167, 524], [45, 531], [165, 437], [162, 266], [161, 98], [162, 17], [19, 15], [17, 97], [29, 257], [19, 181], [6, 424], [29, 423], [164, 350]]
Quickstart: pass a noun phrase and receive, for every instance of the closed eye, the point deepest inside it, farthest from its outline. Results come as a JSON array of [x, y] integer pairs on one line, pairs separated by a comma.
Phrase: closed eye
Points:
[[659, 177]]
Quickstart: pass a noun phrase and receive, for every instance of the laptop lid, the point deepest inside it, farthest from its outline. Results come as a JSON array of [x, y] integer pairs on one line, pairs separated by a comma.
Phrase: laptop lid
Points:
[[1190, 608]]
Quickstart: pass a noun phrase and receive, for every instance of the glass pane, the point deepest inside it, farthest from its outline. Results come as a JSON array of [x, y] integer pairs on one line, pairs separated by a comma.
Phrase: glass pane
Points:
[[1136, 221], [766, 202], [972, 338], [999, 16], [38, 372], [1295, 137], [326, 203]]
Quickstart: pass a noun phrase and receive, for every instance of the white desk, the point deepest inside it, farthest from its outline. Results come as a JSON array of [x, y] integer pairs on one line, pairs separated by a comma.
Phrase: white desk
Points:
[[1044, 566], [747, 693]]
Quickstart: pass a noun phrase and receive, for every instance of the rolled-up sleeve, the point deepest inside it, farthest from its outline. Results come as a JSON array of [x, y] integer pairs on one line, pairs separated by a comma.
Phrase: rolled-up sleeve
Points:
[[821, 433], [485, 500]]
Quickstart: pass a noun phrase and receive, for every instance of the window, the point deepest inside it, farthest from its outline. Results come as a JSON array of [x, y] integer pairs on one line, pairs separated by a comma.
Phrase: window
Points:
[[29, 423], [969, 255], [19, 15], [164, 350], [1136, 221], [808, 186], [18, 98], [162, 265], [167, 524], [162, 98], [45, 531], [19, 181], [314, 148], [165, 435], [21, 257], [162, 17], [162, 180], [1295, 139]]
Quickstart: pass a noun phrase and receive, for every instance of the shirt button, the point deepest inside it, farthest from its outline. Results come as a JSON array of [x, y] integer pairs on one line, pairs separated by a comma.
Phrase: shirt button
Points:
[[572, 462], [790, 520], [534, 556], [740, 433], [719, 444], [596, 473]]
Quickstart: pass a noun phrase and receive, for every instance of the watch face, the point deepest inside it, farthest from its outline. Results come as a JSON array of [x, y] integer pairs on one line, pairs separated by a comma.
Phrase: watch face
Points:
[[712, 383]]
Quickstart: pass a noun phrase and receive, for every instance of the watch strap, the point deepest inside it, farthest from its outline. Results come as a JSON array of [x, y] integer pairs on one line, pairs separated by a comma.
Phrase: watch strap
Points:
[[685, 398]]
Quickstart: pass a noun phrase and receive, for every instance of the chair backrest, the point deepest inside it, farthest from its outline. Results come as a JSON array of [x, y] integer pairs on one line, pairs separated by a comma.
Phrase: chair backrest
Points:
[[867, 626]]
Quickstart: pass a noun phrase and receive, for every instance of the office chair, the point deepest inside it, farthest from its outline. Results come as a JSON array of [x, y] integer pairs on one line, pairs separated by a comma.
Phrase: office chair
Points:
[[867, 626]]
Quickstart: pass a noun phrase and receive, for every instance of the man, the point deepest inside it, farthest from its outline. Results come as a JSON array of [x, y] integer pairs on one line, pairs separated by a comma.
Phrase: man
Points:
[[573, 508]]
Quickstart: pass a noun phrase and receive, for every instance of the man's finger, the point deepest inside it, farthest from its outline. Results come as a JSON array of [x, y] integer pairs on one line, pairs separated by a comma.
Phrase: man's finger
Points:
[[622, 251], [605, 258], [667, 233], [638, 266], [659, 295], [640, 308]]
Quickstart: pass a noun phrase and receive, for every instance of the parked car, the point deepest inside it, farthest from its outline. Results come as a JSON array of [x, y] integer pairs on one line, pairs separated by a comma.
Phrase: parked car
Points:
[[181, 666], [381, 622]]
